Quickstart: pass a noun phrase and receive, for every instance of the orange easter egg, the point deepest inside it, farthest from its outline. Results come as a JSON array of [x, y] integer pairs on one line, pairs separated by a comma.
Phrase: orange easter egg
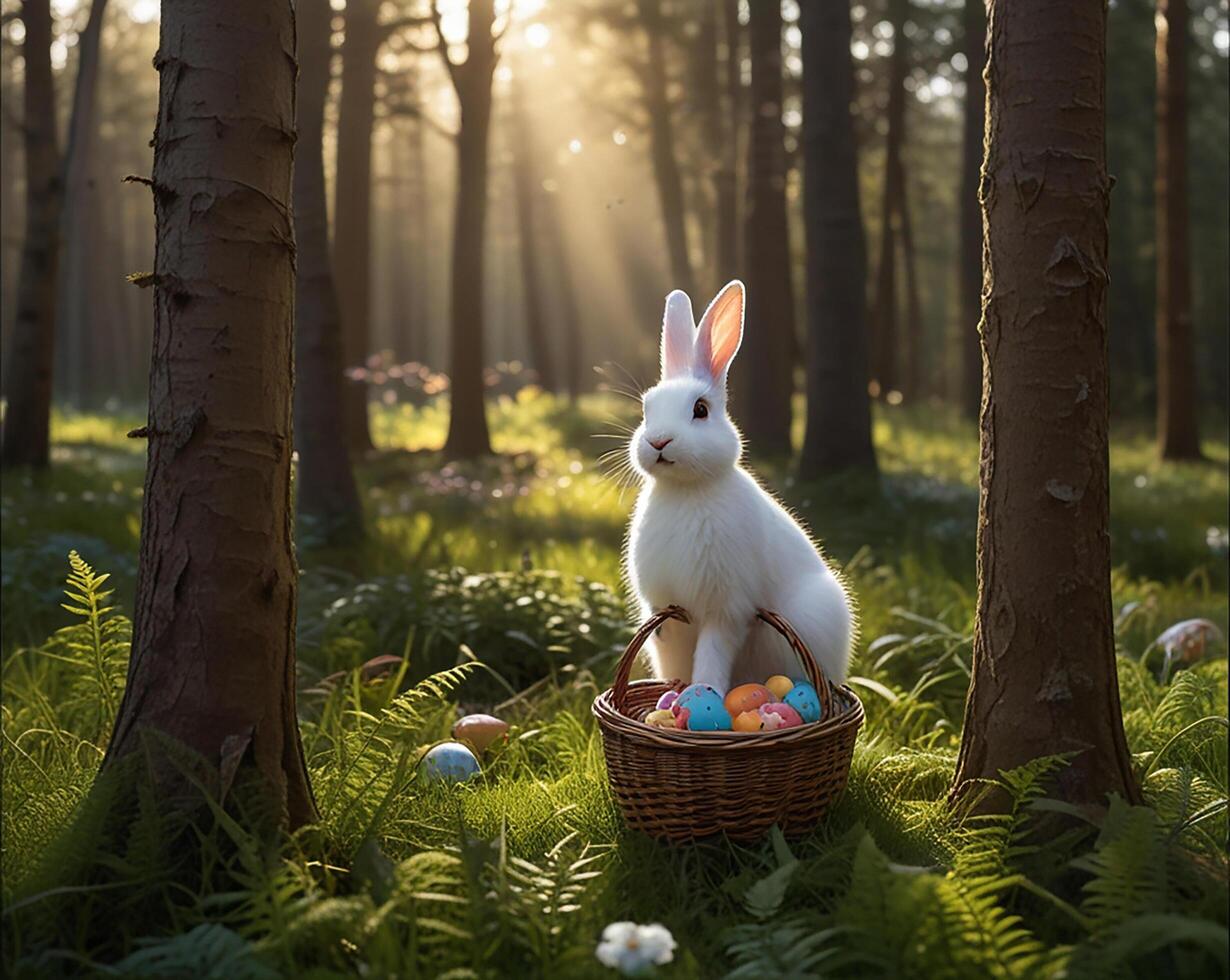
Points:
[[749, 721], [779, 685], [747, 697]]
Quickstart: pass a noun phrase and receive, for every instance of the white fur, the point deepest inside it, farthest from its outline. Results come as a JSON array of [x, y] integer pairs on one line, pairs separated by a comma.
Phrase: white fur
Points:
[[706, 536]]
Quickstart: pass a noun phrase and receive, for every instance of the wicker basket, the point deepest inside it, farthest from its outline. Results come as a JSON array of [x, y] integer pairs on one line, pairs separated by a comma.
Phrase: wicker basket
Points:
[[681, 786]]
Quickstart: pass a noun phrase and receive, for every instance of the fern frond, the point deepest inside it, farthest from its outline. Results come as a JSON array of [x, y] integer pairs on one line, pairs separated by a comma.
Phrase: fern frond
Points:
[[97, 646], [1128, 867], [209, 952], [991, 844]]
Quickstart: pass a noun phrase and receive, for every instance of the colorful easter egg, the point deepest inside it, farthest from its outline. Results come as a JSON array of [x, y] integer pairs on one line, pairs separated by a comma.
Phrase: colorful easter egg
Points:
[[699, 708], [779, 686], [664, 718], [450, 762], [480, 731], [804, 699], [779, 715], [667, 700], [748, 721], [694, 692], [747, 697]]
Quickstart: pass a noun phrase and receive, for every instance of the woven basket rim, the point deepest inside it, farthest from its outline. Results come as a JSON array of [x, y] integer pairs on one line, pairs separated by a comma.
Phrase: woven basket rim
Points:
[[615, 722], [843, 709]]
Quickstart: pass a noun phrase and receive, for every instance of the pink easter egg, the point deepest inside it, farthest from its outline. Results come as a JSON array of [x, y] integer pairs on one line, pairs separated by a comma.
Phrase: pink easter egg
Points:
[[779, 715]]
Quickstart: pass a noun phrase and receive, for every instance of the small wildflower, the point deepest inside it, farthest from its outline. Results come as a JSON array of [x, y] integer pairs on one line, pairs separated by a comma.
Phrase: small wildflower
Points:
[[635, 950]]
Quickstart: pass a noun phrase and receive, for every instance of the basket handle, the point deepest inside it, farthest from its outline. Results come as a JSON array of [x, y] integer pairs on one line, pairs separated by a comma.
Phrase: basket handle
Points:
[[815, 675], [619, 692]]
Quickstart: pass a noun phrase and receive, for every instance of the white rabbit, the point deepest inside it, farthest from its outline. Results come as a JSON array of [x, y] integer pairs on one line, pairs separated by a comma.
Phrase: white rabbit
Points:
[[706, 536]]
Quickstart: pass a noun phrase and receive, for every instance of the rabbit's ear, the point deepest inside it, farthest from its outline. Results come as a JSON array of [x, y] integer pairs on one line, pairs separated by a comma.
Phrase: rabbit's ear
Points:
[[678, 335], [721, 332]]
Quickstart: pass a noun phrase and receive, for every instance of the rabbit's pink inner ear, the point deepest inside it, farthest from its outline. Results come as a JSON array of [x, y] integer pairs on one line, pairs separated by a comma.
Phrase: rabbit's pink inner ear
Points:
[[721, 330], [678, 335]]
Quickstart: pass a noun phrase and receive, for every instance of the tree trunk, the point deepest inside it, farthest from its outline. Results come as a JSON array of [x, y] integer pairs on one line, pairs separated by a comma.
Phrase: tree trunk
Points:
[[27, 423], [10, 205], [569, 332], [405, 268], [884, 316], [419, 310], [1178, 431], [838, 433], [329, 508], [527, 188], [128, 358], [136, 211], [726, 173], [975, 24], [101, 369], [468, 436], [765, 387], [662, 148], [912, 379], [352, 210], [711, 57], [213, 651], [1044, 651], [77, 308]]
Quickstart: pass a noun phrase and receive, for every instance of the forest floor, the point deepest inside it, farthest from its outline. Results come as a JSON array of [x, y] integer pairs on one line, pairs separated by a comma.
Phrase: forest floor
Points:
[[514, 565]]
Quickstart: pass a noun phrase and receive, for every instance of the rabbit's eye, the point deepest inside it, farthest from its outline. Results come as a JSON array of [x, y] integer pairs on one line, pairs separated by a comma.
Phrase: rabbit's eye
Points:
[[701, 409]]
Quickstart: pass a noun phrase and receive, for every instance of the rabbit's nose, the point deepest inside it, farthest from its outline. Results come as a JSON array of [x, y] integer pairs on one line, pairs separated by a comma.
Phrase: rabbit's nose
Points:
[[660, 444]]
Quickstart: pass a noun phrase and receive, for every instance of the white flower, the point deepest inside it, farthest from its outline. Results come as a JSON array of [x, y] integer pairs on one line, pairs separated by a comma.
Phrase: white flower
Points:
[[634, 950]]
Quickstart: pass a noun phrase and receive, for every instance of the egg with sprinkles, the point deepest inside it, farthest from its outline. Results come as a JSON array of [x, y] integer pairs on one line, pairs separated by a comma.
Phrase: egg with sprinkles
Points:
[[804, 699]]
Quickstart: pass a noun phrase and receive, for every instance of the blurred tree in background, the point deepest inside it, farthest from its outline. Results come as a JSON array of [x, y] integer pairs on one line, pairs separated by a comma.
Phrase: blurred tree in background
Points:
[[328, 504], [28, 363]]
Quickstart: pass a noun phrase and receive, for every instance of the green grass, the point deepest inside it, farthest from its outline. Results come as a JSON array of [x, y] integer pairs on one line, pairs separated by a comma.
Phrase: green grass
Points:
[[515, 564]]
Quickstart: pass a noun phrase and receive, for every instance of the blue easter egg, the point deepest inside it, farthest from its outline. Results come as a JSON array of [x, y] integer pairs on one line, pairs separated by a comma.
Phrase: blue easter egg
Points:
[[706, 712], [451, 762], [804, 699]]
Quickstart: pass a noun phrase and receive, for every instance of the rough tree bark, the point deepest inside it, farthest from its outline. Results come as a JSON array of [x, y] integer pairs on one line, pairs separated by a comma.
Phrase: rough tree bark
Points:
[[838, 435], [975, 25], [352, 208], [27, 423], [468, 435], [885, 335], [328, 503], [213, 654], [1178, 430], [764, 385], [662, 147], [78, 324], [527, 188], [1044, 652]]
